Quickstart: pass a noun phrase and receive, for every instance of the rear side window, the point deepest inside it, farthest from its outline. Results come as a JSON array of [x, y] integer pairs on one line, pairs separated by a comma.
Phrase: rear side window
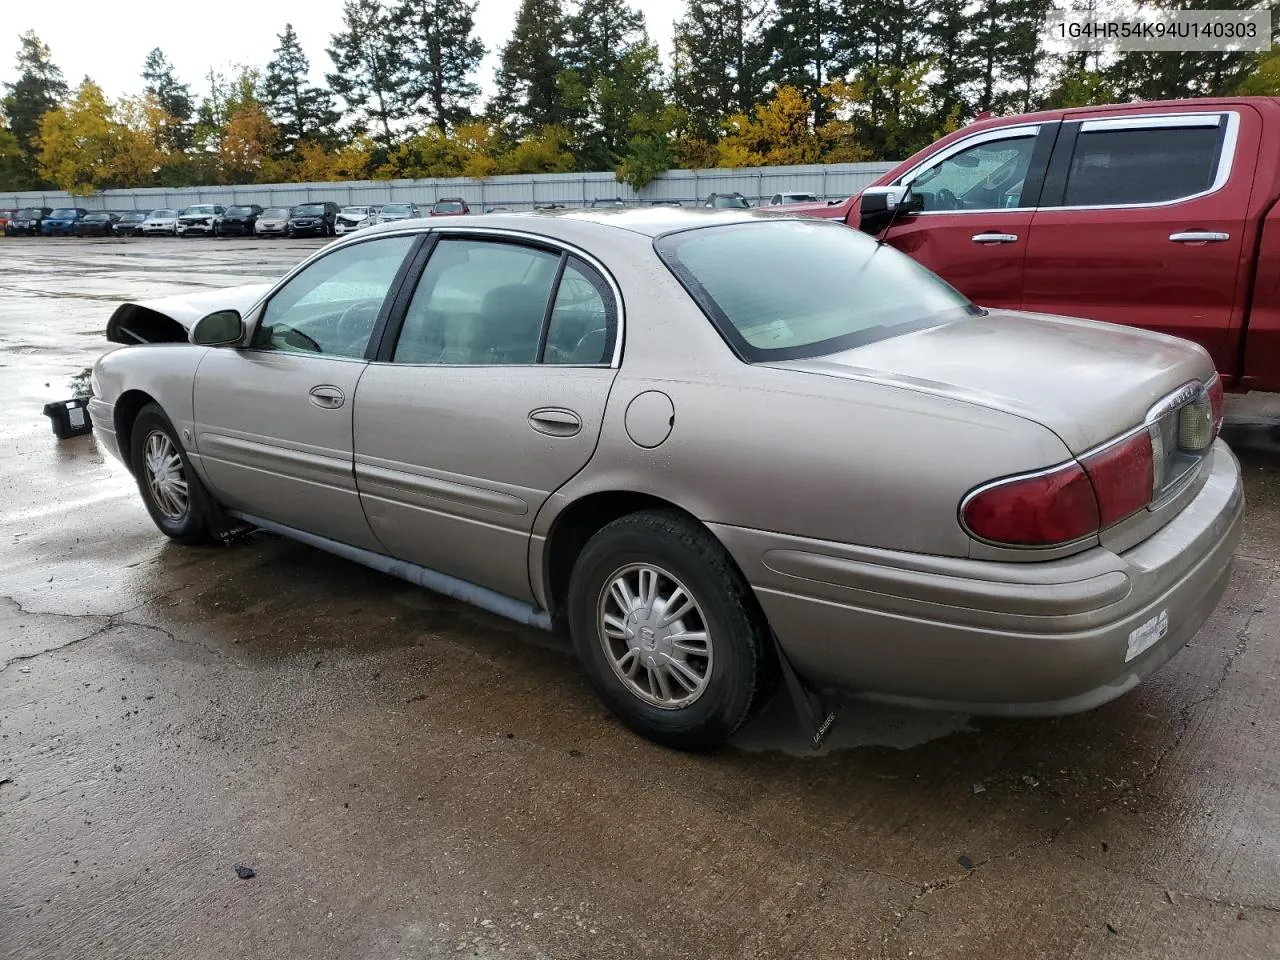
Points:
[[786, 289], [1142, 164]]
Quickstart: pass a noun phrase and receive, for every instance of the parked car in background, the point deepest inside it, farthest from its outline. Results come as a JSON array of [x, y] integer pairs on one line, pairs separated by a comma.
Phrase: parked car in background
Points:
[[608, 202], [354, 218], [62, 221], [273, 222], [5, 217], [130, 223], [783, 199], [26, 222], [1159, 215], [98, 224], [314, 219], [450, 207], [237, 221], [499, 208], [1038, 516], [199, 219], [665, 203], [727, 201], [163, 222], [392, 212]]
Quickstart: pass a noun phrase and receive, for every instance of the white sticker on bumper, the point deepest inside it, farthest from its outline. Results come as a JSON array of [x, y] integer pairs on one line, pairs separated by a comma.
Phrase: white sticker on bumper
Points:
[[1149, 633]]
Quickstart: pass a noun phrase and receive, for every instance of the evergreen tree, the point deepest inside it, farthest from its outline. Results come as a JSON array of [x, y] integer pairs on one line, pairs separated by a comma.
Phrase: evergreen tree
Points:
[[172, 97], [370, 73], [442, 54], [299, 110], [612, 78], [720, 61], [38, 89], [801, 41], [529, 72]]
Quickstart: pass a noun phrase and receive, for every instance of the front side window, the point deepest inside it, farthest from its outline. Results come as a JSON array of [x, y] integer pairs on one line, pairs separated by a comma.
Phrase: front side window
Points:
[[478, 303], [331, 306], [852, 290], [986, 176], [1141, 165]]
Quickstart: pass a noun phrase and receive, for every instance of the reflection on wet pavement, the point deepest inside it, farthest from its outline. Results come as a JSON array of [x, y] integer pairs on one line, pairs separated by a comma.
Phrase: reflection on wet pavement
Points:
[[409, 777]]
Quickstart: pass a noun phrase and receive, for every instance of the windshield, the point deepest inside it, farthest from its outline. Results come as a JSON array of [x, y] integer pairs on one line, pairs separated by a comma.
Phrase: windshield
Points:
[[448, 206], [29, 213], [798, 198], [133, 217], [64, 212], [309, 210], [199, 209], [355, 211], [98, 216], [240, 212], [163, 214], [275, 213], [397, 208], [852, 291]]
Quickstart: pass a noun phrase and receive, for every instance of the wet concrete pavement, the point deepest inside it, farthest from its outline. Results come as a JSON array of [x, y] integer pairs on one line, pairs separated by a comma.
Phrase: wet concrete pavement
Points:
[[411, 778]]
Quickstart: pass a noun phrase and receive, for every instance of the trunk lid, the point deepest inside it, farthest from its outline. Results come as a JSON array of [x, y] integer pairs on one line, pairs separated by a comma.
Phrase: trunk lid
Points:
[[1087, 382]]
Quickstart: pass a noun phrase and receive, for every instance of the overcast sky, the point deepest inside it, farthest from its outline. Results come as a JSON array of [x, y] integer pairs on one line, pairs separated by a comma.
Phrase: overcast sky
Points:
[[109, 41]]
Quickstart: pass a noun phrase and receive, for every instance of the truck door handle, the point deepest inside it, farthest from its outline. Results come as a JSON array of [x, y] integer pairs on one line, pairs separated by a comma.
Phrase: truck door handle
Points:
[[327, 396], [1199, 236], [995, 238], [555, 422]]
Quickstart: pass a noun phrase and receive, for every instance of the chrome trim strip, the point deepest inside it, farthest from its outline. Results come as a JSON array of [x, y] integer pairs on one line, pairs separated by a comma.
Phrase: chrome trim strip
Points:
[[433, 488], [1152, 120], [468, 592]]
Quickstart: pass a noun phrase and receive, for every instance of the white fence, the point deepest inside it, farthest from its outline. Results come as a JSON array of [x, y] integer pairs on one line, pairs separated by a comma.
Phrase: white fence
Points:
[[827, 181]]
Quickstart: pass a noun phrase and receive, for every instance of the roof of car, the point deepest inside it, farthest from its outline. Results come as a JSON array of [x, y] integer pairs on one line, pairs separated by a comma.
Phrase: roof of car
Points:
[[647, 221]]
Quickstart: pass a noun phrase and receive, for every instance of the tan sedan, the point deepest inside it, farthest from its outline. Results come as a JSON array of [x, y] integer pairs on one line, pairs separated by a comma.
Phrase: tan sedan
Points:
[[622, 423]]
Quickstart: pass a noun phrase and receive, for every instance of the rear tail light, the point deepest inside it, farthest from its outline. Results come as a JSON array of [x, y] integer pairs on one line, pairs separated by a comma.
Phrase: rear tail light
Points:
[[1123, 477], [1039, 510]]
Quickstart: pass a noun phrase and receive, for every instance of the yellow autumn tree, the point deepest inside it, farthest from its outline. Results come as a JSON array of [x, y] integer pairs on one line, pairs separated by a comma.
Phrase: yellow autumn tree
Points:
[[141, 128], [245, 151], [77, 142], [543, 151], [775, 133]]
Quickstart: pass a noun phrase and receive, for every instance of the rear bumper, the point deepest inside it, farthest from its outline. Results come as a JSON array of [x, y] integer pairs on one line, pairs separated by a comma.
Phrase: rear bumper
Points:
[[1015, 639]]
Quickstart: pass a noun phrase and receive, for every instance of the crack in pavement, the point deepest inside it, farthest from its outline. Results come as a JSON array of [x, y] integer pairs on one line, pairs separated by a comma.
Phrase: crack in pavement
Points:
[[1176, 895]]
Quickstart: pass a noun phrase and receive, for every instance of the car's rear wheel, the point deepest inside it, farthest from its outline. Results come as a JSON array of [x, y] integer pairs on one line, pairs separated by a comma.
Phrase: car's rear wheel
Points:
[[174, 496], [671, 635]]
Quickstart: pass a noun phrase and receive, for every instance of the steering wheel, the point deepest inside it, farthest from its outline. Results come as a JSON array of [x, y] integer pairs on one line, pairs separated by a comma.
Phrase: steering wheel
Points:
[[946, 200], [356, 322]]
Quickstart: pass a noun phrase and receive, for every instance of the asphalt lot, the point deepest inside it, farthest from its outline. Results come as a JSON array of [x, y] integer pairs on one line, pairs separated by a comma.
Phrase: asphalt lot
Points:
[[412, 778]]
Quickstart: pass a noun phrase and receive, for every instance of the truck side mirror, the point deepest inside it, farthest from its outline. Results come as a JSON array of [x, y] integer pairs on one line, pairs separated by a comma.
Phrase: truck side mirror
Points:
[[881, 205]]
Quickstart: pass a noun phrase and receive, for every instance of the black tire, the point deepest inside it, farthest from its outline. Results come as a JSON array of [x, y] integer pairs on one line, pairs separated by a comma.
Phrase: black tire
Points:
[[743, 669], [195, 525]]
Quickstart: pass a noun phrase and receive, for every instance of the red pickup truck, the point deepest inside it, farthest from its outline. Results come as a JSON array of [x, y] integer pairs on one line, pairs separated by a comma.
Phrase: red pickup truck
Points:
[[1158, 215]]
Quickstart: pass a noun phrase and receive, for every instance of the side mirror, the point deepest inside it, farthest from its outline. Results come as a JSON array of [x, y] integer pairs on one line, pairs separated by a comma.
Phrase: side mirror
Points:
[[880, 205], [218, 329]]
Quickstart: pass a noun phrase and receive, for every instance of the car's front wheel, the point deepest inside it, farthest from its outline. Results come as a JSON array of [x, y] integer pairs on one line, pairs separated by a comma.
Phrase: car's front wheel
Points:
[[174, 496], [670, 632]]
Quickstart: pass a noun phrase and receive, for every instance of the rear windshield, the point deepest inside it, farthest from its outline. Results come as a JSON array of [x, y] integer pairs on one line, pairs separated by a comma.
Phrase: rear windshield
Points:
[[64, 212], [788, 289], [448, 206]]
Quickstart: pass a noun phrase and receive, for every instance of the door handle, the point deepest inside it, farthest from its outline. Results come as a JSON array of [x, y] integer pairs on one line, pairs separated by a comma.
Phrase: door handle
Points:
[[1199, 236], [994, 238], [555, 422], [327, 396]]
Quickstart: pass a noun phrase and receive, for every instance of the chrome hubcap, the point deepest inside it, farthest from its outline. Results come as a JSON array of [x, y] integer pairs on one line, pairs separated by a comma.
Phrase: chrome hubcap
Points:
[[165, 477], [654, 636]]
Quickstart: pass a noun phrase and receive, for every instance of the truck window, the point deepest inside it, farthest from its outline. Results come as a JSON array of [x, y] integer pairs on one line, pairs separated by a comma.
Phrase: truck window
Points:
[[985, 176], [1142, 165]]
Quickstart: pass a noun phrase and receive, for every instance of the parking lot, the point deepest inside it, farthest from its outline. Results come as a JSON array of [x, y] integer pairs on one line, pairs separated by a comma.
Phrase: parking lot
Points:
[[410, 777]]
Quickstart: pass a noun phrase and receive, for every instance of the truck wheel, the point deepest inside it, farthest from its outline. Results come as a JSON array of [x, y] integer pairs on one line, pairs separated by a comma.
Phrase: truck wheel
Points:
[[174, 496], [669, 631]]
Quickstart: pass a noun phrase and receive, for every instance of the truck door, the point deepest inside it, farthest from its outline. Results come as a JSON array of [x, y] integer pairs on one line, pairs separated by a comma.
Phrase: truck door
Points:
[[979, 194], [1142, 221]]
